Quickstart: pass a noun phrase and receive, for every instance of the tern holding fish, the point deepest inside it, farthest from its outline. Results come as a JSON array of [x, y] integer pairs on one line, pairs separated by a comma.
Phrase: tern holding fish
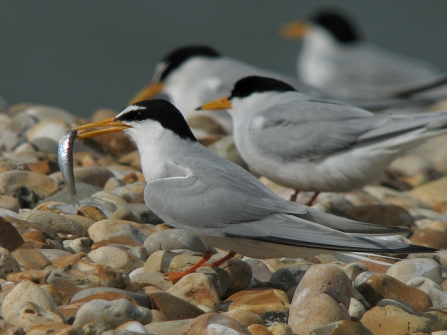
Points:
[[192, 188]]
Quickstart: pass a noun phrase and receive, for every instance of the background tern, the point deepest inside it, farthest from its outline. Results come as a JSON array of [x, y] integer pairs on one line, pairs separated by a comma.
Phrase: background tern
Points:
[[311, 144], [194, 74], [190, 187], [335, 58]]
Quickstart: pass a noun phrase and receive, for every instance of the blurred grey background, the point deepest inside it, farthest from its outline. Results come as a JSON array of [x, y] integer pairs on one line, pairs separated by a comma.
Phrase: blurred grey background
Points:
[[83, 55]]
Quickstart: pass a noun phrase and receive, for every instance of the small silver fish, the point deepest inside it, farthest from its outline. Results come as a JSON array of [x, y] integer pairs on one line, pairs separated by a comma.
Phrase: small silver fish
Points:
[[65, 158]]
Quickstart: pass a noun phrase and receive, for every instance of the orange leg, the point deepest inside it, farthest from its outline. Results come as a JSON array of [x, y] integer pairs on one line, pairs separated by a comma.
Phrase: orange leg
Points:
[[179, 275], [294, 196], [310, 202], [230, 255]]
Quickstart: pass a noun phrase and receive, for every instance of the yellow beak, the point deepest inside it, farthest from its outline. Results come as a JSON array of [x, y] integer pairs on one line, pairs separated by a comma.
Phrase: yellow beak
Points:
[[295, 30], [147, 92], [219, 104], [101, 127]]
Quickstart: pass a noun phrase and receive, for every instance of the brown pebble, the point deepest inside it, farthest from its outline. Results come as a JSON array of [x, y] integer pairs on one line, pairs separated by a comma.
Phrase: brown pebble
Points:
[[381, 286], [430, 238], [10, 238]]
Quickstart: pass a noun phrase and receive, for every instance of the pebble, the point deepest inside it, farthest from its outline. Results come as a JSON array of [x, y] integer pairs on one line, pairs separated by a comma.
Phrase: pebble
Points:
[[197, 289], [111, 313], [109, 228], [174, 239], [416, 267], [376, 286], [111, 252], [213, 323], [10, 238], [323, 296], [53, 222], [8, 263], [116, 258], [434, 291], [27, 304]]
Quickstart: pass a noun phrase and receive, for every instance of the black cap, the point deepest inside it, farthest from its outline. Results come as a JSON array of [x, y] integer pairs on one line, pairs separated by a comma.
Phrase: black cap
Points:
[[180, 55], [161, 111], [256, 84], [339, 25]]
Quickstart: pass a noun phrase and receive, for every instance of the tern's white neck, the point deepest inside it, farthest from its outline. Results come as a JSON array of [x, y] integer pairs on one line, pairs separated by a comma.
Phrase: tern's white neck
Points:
[[156, 145]]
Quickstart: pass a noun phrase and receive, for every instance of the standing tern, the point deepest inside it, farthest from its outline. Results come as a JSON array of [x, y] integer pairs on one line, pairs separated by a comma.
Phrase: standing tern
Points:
[[336, 59], [310, 144], [190, 187], [194, 74]]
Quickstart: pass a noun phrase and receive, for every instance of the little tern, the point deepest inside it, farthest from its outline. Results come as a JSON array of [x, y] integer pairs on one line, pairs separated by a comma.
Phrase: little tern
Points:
[[336, 59], [311, 144], [194, 74], [190, 187]]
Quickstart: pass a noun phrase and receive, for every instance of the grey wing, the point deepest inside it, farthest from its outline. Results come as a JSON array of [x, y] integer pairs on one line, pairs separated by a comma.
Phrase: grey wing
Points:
[[213, 196], [286, 229], [314, 129]]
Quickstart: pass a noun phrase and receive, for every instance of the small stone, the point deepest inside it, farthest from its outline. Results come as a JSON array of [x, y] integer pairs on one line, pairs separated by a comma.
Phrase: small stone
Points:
[[124, 214], [8, 263], [10, 203], [157, 279], [10, 238], [393, 197], [244, 317], [387, 215], [430, 238], [93, 175], [116, 258], [134, 327], [259, 270], [280, 328], [325, 288], [31, 259], [258, 330], [84, 274], [42, 185], [393, 320], [259, 301], [341, 328], [178, 327], [356, 309], [68, 260], [213, 323], [240, 274], [437, 295], [52, 129], [197, 289], [144, 214], [35, 276], [132, 193], [109, 294], [433, 193], [381, 286], [81, 244], [104, 229], [173, 307], [112, 313], [132, 158], [174, 239], [53, 222], [416, 267], [27, 303], [437, 225], [92, 212]]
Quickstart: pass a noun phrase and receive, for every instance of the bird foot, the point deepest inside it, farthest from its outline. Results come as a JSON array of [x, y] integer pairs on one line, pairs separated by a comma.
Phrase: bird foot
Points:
[[173, 276], [230, 255]]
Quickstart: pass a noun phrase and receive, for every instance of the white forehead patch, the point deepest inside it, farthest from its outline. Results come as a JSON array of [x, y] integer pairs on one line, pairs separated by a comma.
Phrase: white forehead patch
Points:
[[129, 109]]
